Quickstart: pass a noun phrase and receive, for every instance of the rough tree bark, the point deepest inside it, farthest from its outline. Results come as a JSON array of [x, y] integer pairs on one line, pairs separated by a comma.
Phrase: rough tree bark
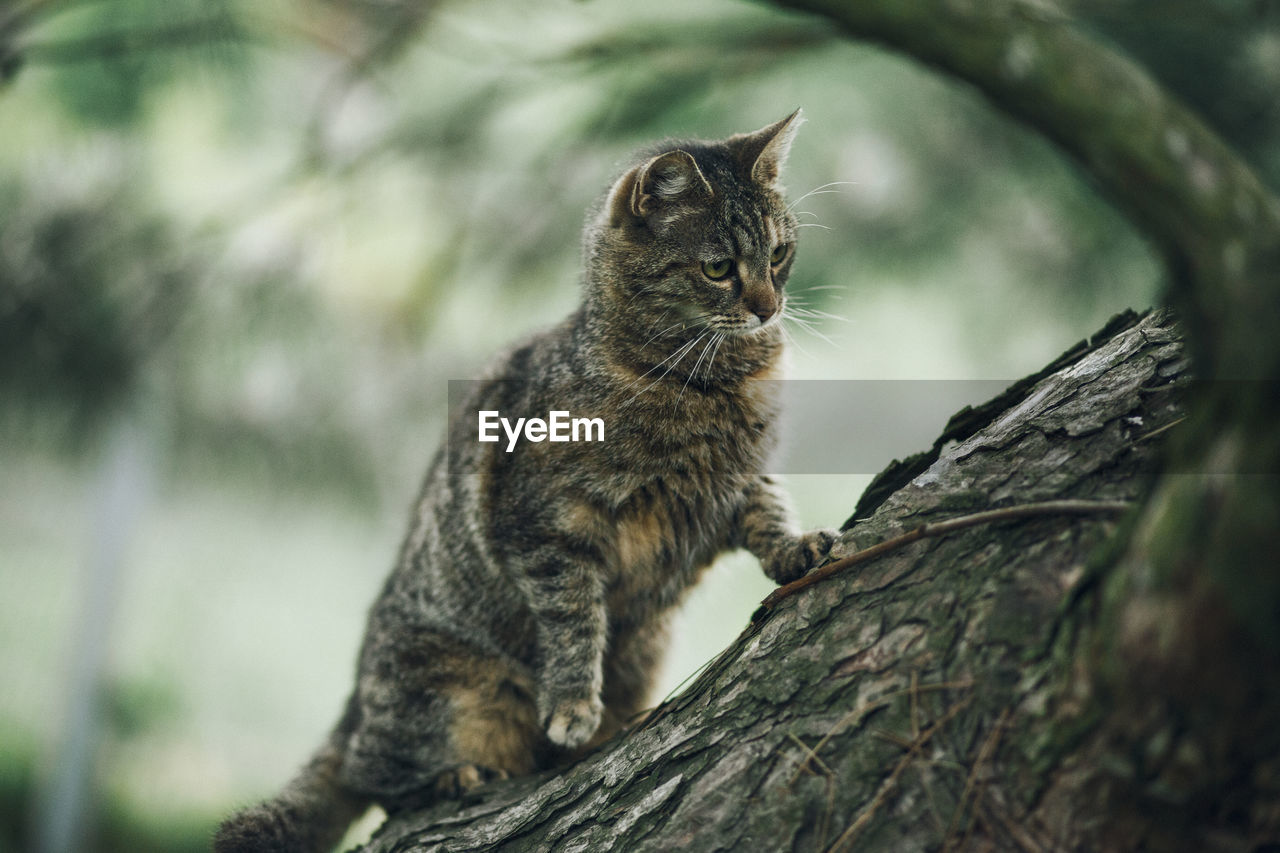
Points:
[[1177, 666], [1059, 683], [903, 704]]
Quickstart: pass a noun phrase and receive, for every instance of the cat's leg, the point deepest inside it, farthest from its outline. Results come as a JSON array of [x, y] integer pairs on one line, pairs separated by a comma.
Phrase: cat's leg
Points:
[[630, 670], [562, 585], [767, 530], [437, 718]]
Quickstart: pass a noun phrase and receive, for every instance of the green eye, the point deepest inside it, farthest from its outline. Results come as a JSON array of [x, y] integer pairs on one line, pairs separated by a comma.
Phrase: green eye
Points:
[[717, 270], [779, 254]]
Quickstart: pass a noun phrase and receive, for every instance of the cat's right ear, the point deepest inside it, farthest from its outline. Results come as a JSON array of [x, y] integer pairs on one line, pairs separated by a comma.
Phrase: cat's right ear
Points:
[[762, 153], [667, 180]]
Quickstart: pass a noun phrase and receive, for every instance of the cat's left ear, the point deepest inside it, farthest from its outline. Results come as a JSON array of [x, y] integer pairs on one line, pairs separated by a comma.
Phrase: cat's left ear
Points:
[[763, 153], [666, 181]]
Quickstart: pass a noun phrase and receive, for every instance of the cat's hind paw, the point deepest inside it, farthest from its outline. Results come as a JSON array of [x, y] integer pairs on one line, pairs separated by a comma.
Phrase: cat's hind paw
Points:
[[461, 780]]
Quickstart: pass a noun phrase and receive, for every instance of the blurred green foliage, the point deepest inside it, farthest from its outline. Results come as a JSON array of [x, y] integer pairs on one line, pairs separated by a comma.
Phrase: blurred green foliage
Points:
[[92, 290], [272, 230], [110, 55]]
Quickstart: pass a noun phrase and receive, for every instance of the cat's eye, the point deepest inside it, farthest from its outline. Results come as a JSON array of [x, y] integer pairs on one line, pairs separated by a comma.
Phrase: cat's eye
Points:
[[717, 270], [780, 253]]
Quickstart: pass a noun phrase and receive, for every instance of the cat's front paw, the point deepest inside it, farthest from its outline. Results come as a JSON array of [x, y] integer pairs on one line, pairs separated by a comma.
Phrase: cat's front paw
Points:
[[794, 557], [573, 722]]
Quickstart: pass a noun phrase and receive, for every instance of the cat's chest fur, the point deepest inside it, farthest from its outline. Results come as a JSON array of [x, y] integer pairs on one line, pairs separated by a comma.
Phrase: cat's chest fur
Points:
[[677, 503], [659, 542]]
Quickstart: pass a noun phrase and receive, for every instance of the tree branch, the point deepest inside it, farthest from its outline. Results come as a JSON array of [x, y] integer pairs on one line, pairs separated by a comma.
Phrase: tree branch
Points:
[[939, 528], [1216, 224], [968, 628], [1133, 682], [1187, 622]]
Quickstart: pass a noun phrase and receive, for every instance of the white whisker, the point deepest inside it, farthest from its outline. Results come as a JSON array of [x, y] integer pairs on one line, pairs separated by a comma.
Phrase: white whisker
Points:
[[720, 338], [791, 340], [811, 329], [815, 314], [819, 191], [696, 364], [682, 352], [663, 332], [673, 354]]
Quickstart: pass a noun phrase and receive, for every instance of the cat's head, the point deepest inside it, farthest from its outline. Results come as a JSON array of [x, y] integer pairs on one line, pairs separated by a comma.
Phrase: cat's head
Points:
[[696, 236]]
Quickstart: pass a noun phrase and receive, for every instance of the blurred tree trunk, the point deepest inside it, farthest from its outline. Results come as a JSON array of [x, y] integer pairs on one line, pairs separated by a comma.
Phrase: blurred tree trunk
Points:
[[1047, 684]]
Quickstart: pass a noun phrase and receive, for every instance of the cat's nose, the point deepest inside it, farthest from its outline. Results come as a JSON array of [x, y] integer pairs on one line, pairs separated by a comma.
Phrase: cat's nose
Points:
[[758, 295], [763, 305]]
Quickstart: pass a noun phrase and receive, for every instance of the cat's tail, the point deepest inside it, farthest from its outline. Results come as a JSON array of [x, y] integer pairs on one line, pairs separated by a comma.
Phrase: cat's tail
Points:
[[310, 815]]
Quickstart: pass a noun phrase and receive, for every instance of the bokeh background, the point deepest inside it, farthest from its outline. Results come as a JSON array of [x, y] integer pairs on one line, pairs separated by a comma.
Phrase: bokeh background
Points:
[[244, 245]]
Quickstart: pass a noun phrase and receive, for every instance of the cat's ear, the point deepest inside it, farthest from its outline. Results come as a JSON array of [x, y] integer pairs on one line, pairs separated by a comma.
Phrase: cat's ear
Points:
[[763, 153], [666, 180]]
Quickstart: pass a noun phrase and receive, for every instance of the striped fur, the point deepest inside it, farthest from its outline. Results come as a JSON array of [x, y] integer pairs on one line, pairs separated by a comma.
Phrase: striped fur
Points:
[[527, 612]]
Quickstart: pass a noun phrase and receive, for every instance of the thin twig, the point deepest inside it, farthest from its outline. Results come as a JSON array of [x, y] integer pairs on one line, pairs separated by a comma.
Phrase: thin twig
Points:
[[984, 755], [1158, 430], [925, 771], [825, 826], [889, 784], [867, 707], [1021, 834], [664, 707], [938, 528], [810, 755], [896, 740], [915, 703]]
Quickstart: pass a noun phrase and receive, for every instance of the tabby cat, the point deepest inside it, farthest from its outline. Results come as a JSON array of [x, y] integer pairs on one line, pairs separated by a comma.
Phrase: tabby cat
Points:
[[527, 612]]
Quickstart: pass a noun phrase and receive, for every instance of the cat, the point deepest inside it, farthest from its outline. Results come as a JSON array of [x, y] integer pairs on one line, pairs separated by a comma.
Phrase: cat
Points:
[[526, 615]]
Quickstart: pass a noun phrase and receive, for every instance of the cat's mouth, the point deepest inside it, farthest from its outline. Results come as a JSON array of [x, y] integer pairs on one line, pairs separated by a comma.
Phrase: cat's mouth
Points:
[[744, 325], [750, 325]]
